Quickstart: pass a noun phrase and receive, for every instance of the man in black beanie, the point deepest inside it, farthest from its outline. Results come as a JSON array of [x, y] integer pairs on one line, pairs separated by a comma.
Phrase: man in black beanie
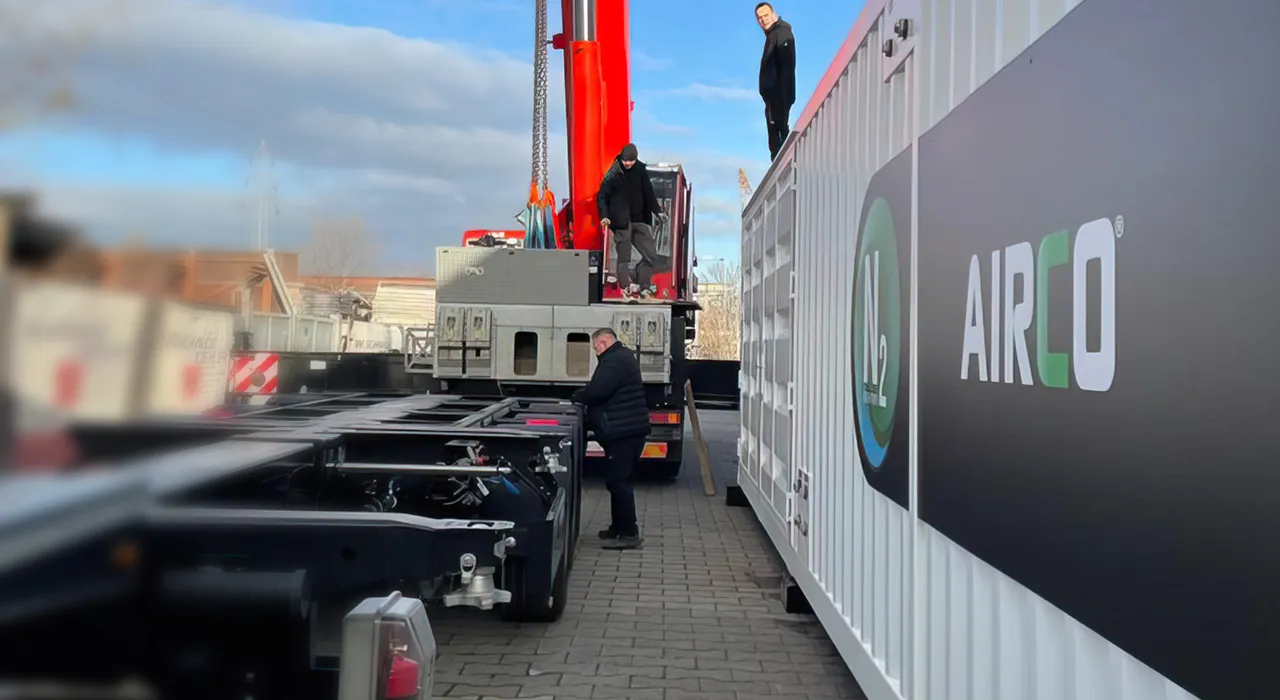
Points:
[[628, 206]]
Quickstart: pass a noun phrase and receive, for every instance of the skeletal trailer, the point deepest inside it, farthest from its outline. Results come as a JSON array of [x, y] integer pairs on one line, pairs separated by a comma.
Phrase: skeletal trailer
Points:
[[227, 561]]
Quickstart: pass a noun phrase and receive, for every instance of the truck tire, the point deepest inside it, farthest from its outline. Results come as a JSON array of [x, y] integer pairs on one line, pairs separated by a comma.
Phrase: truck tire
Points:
[[523, 606], [668, 469]]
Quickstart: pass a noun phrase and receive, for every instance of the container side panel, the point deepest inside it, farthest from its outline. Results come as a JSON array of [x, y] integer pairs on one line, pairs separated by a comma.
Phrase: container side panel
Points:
[[1062, 419], [988, 636]]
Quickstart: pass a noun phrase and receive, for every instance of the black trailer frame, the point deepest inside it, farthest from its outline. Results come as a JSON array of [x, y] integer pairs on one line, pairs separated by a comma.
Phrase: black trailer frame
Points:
[[246, 564], [409, 371]]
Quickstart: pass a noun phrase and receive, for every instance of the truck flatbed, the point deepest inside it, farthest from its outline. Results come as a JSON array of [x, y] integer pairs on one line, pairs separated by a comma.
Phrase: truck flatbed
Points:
[[283, 517]]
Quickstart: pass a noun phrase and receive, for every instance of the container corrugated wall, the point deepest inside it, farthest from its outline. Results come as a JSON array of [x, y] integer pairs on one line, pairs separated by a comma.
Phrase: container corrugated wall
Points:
[[404, 304], [913, 614]]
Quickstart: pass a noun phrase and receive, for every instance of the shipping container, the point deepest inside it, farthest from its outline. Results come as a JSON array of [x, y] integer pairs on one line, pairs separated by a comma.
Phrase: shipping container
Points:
[[294, 333], [76, 350], [404, 304], [187, 361], [1008, 383], [367, 337], [97, 356]]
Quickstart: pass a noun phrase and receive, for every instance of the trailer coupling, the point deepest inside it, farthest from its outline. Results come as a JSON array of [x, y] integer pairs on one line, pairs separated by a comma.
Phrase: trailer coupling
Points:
[[477, 588]]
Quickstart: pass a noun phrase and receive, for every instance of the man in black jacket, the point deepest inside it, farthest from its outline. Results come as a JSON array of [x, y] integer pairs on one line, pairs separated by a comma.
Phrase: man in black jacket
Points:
[[619, 416], [777, 75], [628, 206]]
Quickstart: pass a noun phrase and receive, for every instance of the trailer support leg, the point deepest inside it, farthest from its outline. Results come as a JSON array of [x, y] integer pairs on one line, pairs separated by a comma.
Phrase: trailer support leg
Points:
[[793, 599]]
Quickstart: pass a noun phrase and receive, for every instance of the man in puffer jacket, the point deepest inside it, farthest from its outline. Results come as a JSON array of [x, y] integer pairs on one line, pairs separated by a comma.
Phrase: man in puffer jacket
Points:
[[619, 415], [629, 207]]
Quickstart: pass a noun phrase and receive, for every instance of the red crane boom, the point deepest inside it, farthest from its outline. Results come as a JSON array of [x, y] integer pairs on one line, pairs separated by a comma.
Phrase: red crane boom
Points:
[[596, 40], [595, 37]]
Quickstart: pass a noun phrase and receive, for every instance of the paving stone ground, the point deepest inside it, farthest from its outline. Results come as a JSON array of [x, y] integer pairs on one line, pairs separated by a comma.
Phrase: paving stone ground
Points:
[[694, 615]]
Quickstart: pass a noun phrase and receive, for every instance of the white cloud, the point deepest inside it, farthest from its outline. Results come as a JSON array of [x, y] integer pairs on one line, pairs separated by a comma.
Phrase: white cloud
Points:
[[422, 139], [644, 61], [644, 121], [720, 207]]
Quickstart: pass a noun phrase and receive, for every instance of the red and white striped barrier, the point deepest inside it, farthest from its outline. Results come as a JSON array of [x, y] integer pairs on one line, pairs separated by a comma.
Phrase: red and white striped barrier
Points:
[[256, 373]]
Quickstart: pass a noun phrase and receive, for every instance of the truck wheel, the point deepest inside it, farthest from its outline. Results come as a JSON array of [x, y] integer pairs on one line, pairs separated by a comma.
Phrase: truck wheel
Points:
[[524, 607], [668, 469]]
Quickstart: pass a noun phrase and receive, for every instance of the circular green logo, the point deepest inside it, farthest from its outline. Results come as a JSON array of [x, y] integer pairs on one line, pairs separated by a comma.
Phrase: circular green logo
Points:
[[877, 332]]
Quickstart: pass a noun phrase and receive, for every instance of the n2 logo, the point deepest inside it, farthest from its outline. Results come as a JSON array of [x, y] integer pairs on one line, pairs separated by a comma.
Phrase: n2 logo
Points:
[[875, 345]]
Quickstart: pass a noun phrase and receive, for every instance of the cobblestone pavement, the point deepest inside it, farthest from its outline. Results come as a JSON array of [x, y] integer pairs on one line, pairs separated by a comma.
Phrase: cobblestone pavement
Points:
[[695, 614]]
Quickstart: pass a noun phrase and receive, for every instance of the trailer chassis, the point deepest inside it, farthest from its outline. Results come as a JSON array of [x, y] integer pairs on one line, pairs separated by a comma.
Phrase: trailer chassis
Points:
[[252, 547]]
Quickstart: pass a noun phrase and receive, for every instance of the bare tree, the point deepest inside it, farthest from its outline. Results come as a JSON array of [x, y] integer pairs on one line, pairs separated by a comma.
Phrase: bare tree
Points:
[[340, 249], [719, 323]]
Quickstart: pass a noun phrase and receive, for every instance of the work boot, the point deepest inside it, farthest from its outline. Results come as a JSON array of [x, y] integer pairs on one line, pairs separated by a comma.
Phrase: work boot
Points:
[[624, 542], [608, 534]]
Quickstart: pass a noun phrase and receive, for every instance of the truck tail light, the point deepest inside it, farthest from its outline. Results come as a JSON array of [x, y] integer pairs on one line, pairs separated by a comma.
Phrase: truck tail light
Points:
[[665, 418], [53, 451], [402, 679], [654, 450], [388, 651]]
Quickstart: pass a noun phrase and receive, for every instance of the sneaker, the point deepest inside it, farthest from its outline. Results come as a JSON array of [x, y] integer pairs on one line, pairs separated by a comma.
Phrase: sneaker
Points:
[[622, 542], [631, 293], [608, 534]]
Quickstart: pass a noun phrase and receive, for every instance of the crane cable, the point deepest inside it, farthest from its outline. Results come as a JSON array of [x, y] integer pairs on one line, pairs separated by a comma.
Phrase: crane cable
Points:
[[539, 216]]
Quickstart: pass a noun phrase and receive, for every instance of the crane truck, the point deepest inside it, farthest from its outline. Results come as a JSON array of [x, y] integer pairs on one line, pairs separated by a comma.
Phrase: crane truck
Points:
[[513, 320], [514, 315]]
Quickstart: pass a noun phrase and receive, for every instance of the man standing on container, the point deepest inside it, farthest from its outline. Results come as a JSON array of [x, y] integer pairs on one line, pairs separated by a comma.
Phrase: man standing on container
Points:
[[628, 206], [619, 416], [777, 75]]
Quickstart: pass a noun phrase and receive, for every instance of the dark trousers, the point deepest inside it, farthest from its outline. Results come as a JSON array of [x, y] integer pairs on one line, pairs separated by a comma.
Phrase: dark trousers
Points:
[[776, 116], [637, 236], [623, 456]]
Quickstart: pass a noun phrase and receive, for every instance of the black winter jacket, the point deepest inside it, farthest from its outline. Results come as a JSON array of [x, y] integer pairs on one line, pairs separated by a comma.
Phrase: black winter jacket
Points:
[[622, 190], [778, 65], [615, 400]]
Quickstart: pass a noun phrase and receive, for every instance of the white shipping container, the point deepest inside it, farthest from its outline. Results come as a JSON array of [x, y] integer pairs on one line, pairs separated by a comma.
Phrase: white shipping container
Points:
[[902, 175], [76, 350], [364, 337], [297, 333], [404, 304], [188, 370]]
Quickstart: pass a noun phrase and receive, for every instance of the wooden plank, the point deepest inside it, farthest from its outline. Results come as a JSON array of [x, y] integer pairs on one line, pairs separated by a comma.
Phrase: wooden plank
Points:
[[708, 479]]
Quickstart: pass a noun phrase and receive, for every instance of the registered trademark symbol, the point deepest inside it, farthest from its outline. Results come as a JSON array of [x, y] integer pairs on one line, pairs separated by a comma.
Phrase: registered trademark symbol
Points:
[[1119, 227]]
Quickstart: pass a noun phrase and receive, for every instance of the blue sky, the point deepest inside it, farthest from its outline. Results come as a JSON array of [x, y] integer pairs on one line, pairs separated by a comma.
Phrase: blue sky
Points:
[[414, 129]]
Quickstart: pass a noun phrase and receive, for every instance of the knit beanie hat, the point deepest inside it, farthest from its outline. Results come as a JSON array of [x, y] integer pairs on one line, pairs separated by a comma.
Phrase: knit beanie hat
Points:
[[629, 152]]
